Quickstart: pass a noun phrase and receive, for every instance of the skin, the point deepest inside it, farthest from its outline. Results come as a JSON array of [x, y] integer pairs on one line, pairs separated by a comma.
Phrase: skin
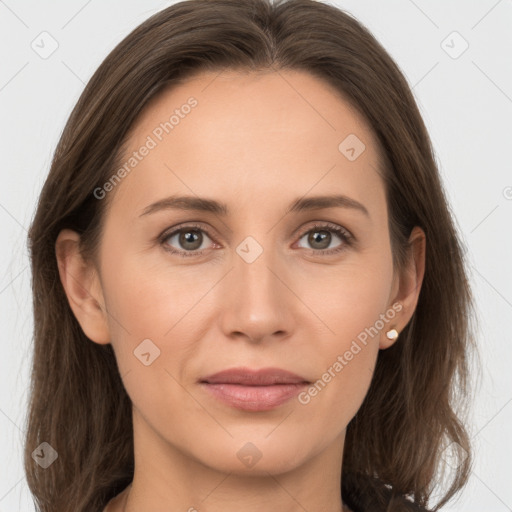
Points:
[[257, 142]]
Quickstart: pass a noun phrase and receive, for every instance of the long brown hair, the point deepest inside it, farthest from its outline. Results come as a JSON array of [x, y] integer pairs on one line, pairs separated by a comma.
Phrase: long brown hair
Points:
[[395, 444]]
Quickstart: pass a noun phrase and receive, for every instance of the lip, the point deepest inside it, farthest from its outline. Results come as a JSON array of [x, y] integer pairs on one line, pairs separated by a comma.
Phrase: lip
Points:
[[254, 390]]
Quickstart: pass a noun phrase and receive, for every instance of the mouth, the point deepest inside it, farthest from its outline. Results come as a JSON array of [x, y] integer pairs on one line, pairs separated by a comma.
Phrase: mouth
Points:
[[254, 390]]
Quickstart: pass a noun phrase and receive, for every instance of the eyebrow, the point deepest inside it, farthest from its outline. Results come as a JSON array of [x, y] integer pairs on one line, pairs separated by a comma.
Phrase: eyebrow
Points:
[[191, 203]]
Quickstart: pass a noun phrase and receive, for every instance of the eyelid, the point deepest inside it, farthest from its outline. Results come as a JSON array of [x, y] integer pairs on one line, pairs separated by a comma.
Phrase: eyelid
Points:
[[347, 239], [190, 225], [327, 226], [343, 233]]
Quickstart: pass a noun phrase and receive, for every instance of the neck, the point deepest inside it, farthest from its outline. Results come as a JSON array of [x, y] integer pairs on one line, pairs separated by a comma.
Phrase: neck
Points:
[[167, 478]]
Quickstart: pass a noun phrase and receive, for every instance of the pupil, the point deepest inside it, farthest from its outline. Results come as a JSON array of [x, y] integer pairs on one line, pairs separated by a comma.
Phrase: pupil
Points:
[[320, 236], [190, 237]]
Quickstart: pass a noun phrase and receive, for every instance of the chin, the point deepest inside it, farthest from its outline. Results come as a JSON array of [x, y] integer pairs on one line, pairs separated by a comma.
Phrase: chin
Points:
[[255, 455]]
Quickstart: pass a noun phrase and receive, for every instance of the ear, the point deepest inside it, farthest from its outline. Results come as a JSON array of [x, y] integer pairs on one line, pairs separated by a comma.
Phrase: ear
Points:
[[407, 286], [82, 287]]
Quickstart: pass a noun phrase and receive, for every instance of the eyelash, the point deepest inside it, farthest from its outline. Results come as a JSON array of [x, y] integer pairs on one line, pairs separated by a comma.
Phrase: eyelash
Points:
[[343, 234]]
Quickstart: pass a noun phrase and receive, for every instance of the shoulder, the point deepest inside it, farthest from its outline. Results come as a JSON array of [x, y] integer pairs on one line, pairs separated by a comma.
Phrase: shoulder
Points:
[[114, 505], [395, 505], [362, 493]]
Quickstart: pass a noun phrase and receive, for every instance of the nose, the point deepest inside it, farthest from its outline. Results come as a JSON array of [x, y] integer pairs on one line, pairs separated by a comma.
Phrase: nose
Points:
[[258, 304]]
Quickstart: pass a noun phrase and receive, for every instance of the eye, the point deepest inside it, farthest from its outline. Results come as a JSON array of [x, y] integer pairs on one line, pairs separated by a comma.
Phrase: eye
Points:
[[185, 241], [320, 238], [191, 240]]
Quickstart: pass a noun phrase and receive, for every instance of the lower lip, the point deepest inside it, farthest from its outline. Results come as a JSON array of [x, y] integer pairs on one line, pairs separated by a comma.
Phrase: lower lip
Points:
[[254, 398]]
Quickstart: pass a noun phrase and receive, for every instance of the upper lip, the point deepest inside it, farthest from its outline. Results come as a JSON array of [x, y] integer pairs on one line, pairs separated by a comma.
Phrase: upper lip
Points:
[[255, 377]]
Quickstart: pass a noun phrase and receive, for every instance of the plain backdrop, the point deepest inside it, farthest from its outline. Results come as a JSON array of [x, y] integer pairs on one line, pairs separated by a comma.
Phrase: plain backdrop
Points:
[[457, 57]]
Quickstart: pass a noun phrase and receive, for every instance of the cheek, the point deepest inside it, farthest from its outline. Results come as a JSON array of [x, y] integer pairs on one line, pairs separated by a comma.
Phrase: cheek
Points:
[[154, 333], [174, 305], [349, 298], [151, 298], [352, 307], [171, 306]]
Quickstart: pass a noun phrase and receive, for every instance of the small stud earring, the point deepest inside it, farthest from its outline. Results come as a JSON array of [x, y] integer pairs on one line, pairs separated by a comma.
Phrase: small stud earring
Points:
[[392, 334]]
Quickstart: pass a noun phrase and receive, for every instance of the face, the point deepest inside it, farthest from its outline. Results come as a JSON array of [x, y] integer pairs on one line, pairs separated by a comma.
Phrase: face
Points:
[[259, 274]]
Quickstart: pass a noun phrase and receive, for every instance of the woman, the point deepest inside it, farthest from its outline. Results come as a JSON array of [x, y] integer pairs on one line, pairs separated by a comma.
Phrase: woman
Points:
[[248, 288]]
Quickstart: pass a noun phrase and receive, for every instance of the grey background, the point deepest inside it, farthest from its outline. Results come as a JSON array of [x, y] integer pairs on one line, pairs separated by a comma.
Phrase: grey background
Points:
[[466, 103]]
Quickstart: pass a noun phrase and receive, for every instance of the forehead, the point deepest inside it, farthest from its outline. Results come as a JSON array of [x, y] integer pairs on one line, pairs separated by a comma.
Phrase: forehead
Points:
[[218, 132]]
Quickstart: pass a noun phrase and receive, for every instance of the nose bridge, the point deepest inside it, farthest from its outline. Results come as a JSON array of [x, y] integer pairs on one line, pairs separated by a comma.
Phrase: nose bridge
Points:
[[256, 276], [257, 304]]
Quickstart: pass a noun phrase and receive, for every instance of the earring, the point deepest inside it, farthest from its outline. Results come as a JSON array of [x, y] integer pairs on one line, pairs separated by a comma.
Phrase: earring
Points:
[[392, 334]]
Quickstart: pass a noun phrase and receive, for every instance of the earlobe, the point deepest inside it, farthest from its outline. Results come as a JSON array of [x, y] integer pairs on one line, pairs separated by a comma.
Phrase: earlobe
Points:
[[82, 287], [409, 287], [391, 335]]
